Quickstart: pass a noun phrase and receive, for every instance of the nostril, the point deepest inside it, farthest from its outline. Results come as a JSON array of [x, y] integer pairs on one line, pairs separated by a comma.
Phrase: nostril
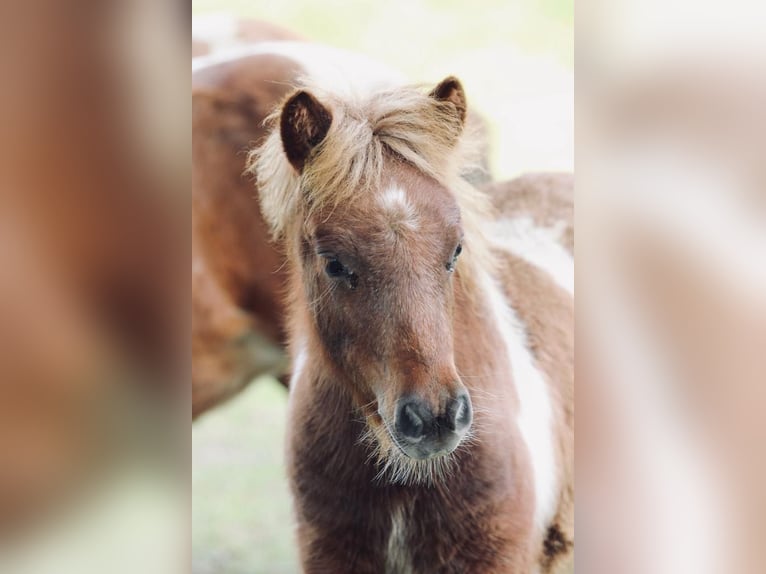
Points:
[[412, 421], [459, 413], [409, 422]]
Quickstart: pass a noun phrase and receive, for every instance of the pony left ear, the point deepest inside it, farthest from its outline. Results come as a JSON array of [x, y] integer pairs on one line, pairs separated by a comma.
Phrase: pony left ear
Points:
[[303, 125], [451, 90]]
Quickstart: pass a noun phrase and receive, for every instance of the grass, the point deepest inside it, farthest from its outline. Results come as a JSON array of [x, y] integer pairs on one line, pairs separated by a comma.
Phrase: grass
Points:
[[241, 507]]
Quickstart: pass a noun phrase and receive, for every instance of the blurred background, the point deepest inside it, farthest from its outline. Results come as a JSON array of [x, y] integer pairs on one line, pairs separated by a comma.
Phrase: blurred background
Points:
[[515, 59]]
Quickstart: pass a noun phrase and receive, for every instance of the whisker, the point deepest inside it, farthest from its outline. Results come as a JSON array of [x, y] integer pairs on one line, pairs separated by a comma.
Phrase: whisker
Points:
[[315, 305], [394, 467]]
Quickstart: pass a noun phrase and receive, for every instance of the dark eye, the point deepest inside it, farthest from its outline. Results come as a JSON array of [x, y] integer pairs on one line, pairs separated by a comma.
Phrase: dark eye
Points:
[[335, 269], [451, 264]]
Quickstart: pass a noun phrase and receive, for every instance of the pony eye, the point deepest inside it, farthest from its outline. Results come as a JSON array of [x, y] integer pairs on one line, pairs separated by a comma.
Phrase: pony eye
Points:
[[451, 265], [335, 269]]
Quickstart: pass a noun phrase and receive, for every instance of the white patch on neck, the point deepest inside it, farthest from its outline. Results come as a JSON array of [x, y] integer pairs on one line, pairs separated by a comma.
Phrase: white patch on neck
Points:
[[536, 413], [397, 554], [398, 208], [345, 73], [540, 246]]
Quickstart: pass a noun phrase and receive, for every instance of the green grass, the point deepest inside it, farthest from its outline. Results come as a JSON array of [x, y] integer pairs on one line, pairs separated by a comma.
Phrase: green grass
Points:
[[241, 507]]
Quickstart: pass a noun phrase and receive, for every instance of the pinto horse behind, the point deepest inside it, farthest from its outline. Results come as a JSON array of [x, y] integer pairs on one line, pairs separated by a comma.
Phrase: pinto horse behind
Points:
[[431, 398]]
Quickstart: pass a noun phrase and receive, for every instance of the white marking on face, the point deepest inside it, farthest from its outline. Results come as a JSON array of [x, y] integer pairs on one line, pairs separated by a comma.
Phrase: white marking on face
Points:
[[398, 208], [540, 246], [536, 413], [347, 73]]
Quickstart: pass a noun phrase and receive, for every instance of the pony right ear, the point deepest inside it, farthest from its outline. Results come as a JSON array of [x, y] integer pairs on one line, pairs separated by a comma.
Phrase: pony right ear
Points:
[[303, 125], [451, 90]]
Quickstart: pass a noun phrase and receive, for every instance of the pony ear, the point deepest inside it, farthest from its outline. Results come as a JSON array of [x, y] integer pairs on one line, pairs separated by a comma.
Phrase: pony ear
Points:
[[303, 124], [451, 90]]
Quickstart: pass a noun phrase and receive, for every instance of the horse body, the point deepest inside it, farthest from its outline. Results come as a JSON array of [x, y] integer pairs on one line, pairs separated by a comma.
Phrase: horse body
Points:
[[237, 330], [543, 201], [386, 344]]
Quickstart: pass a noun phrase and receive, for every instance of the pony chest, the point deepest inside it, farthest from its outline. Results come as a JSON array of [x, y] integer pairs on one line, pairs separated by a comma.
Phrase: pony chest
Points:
[[431, 536], [398, 554]]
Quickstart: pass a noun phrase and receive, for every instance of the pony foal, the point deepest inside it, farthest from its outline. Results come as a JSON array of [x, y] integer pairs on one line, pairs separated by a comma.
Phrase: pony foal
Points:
[[424, 436]]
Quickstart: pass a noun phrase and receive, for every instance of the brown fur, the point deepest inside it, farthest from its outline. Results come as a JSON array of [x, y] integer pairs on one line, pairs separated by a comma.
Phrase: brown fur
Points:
[[548, 313], [93, 255], [478, 521], [473, 513], [238, 277], [547, 197], [229, 347]]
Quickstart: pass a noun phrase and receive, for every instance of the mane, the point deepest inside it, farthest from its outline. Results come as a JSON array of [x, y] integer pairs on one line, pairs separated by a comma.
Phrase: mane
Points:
[[404, 123]]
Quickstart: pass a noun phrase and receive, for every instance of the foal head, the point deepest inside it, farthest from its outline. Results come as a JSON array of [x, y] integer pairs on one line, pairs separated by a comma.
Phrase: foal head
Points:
[[376, 236]]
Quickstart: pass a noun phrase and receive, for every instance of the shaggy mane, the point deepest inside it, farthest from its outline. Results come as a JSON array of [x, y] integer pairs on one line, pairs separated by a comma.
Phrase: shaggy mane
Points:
[[404, 123]]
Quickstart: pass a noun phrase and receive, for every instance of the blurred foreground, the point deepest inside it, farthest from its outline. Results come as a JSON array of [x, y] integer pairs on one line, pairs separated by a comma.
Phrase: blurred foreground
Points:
[[671, 246], [94, 267]]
